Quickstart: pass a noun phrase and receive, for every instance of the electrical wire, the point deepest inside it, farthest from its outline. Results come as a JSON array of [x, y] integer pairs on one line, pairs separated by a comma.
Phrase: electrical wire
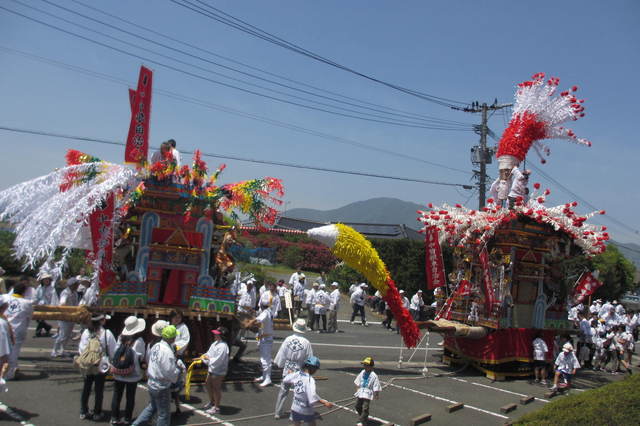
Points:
[[217, 107], [201, 77], [231, 21], [261, 70], [180, 51], [236, 158]]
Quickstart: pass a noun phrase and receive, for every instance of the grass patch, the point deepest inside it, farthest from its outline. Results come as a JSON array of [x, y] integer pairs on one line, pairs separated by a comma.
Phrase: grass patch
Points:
[[613, 404], [272, 271]]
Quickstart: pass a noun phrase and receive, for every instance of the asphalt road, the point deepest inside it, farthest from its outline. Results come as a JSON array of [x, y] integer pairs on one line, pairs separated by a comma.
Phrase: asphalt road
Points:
[[49, 392]]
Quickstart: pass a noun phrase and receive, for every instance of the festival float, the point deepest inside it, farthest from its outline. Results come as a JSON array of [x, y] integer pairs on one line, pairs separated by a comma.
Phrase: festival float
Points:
[[512, 271], [158, 234]]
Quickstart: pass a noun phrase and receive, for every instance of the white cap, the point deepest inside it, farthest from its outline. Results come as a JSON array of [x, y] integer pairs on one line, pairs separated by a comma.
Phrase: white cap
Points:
[[323, 286], [567, 347], [363, 285], [334, 284], [401, 292]]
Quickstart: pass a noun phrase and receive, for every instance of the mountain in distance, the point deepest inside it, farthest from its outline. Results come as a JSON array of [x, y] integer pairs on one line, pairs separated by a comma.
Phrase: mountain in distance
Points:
[[374, 210]]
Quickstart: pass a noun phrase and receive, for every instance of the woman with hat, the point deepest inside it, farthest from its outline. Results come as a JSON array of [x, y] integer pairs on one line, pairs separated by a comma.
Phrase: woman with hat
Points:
[[129, 355], [108, 345], [217, 360]]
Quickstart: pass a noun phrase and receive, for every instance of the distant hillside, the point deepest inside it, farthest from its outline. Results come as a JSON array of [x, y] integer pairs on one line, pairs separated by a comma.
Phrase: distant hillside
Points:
[[375, 210]]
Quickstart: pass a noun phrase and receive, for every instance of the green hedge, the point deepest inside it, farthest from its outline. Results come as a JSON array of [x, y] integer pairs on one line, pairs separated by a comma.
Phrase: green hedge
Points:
[[613, 404]]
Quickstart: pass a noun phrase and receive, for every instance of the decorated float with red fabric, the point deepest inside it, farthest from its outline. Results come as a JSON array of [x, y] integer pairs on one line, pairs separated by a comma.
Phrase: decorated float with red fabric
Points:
[[513, 275]]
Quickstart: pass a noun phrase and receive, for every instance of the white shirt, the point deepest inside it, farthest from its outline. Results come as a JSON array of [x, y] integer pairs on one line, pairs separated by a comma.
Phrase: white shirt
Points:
[[416, 302], [5, 338], [90, 297], [19, 313], [183, 338], [566, 362], [519, 184], [540, 349], [68, 297], [268, 298], [373, 385], [157, 156], [247, 300], [334, 298], [358, 297], [44, 294], [265, 318], [163, 368], [405, 302], [321, 302], [292, 354], [282, 290], [298, 290], [304, 392], [218, 361], [309, 296], [295, 278], [604, 309], [139, 352], [107, 341]]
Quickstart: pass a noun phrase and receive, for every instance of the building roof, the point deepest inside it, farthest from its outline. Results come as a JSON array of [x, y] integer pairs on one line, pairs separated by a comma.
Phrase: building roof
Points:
[[370, 230]]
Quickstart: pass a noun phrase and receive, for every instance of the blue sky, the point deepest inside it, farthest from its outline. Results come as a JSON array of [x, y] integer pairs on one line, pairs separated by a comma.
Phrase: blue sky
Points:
[[463, 50]]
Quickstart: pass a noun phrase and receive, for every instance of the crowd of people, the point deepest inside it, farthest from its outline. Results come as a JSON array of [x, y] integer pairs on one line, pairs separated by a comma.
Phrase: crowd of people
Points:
[[604, 341]]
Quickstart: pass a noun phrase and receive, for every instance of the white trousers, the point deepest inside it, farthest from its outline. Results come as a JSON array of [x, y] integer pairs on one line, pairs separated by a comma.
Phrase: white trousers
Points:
[[13, 356], [265, 345], [63, 337]]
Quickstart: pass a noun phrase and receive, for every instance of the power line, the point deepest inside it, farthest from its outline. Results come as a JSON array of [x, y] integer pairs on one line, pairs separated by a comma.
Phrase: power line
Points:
[[231, 21], [200, 58], [577, 197], [249, 160], [198, 76], [217, 107], [234, 61]]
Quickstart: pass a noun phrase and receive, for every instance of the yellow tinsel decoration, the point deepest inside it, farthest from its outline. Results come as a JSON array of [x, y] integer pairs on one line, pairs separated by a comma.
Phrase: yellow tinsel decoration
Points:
[[358, 253]]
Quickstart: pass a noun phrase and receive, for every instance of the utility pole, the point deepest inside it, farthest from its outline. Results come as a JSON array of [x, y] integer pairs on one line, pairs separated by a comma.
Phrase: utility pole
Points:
[[480, 154]]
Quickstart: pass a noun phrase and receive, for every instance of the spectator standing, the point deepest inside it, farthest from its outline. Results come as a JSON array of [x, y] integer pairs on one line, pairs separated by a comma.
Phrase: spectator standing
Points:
[[321, 302], [44, 294], [540, 350], [95, 331], [334, 305], [308, 301], [68, 297], [217, 360], [128, 360], [417, 303], [358, 299], [162, 372]]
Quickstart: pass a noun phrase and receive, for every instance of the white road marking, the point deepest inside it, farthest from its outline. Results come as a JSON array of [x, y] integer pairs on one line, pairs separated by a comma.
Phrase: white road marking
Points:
[[439, 398], [496, 389], [196, 410]]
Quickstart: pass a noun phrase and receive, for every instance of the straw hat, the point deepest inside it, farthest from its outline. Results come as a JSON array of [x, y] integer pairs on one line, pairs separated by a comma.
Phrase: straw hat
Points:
[[156, 328], [133, 325], [300, 326]]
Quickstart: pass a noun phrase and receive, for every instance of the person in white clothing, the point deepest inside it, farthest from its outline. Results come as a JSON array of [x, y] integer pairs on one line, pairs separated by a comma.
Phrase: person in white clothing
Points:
[[91, 294], [44, 294], [298, 294], [369, 388], [566, 365], [308, 301], [127, 363], [304, 393], [108, 346], [164, 370], [165, 154], [270, 299], [265, 344], [334, 304], [181, 344], [217, 360], [540, 350], [358, 298], [175, 152], [68, 297], [519, 182], [321, 302], [6, 341], [293, 352], [247, 298], [18, 313], [416, 306]]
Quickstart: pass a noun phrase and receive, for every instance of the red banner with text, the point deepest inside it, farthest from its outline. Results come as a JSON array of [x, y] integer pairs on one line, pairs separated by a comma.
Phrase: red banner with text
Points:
[[433, 260], [138, 137], [487, 285], [100, 222]]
